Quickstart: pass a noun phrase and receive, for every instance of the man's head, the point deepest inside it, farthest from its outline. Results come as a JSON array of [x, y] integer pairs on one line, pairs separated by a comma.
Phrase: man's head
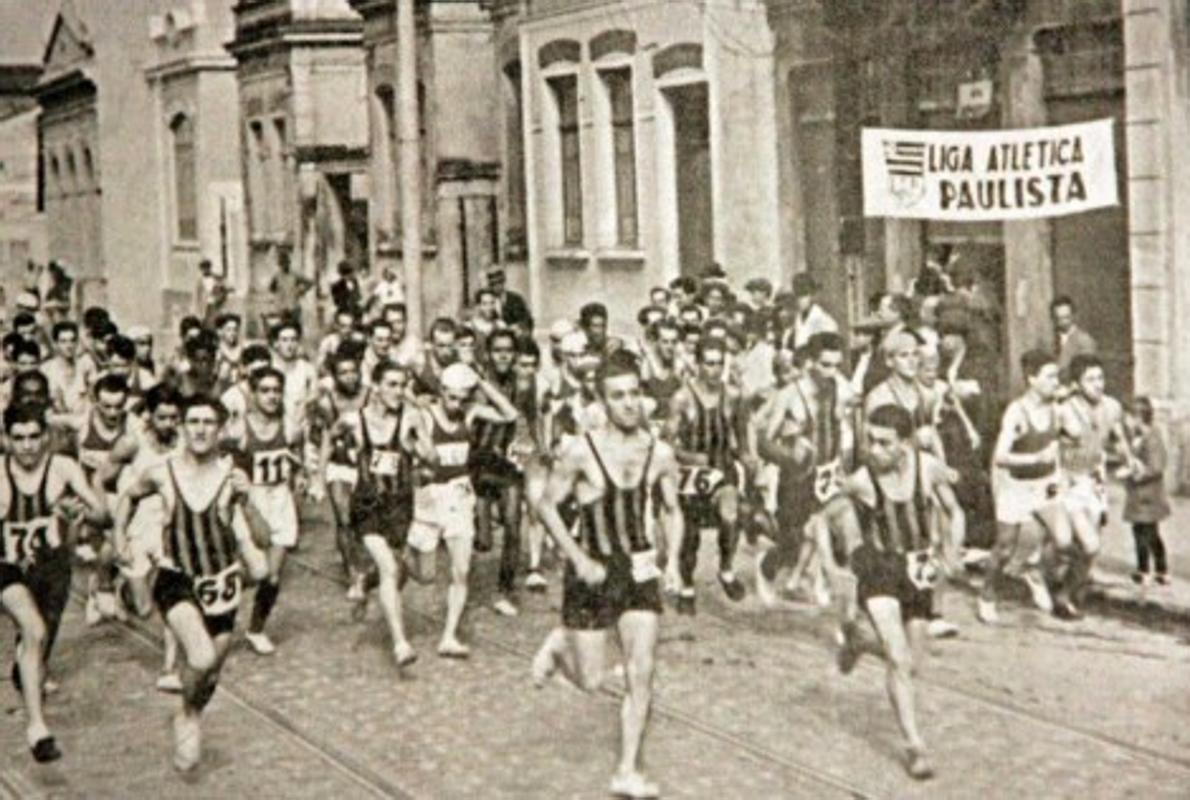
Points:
[[573, 349], [380, 338], [824, 357], [25, 425], [683, 289], [712, 360], [929, 362], [164, 405], [618, 382], [390, 380], [1062, 313], [202, 418], [31, 386], [344, 322], [204, 267], [268, 390], [666, 336], [254, 357], [111, 398], [25, 325], [466, 344], [1086, 373], [228, 327], [94, 315], [502, 351], [345, 269], [888, 433], [592, 319], [496, 280], [442, 340], [528, 358], [201, 351], [458, 385], [659, 296], [714, 297], [1040, 369], [902, 354], [805, 288], [26, 354], [397, 317], [286, 338], [66, 339], [487, 304], [121, 353], [760, 291], [648, 316], [142, 338], [345, 367], [690, 314], [189, 327]]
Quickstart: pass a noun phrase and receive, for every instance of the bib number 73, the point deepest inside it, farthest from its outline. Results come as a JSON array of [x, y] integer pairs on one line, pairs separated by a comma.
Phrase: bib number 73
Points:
[[25, 541]]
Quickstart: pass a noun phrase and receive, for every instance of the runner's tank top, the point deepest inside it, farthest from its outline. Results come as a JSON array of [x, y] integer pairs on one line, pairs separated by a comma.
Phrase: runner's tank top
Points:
[[823, 430], [453, 449], [614, 524], [495, 437], [344, 447], [94, 447], [384, 466], [30, 527], [196, 541], [710, 433], [267, 462], [897, 527], [1034, 441]]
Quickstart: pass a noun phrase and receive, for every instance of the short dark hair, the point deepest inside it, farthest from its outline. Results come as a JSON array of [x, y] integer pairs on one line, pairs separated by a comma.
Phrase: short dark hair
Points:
[[162, 395], [385, 366], [1033, 361], [22, 319], [709, 343], [26, 348], [287, 323], [225, 318], [188, 323], [122, 347], [21, 413], [485, 292], [501, 333], [527, 347], [204, 342], [621, 362], [206, 401], [93, 315], [65, 326], [379, 323], [1081, 363], [111, 384], [1142, 407], [396, 307], [823, 342], [258, 376], [253, 353], [443, 325], [466, 332], [591, 311], [892, 416], [1061, 300], [687, 284], [21, 380]]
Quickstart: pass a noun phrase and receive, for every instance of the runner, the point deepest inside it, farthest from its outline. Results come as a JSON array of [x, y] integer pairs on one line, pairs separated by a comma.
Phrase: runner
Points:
[[237, 398], [706, 421], [68, 375], [661, 375], [612, 579], [300, 376], [1026, 481], [804, 438], [227, 362], [444, 502], [1090, 422], [338, 454], [381, 505], [439, 355], [35, 559], [266, 450], [528, 449], [890, 537], [197, 582]]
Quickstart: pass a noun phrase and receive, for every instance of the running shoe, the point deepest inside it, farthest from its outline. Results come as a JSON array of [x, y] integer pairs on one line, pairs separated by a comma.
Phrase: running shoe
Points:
[[939, 628], [404, 653], [454, 649], [1039, 591], [764, 587], [187, 741], [1066, 610], [535, 582], [169, 682], [986, 611], [849, 651], [1163, 579], [918, 765], [504, 607], [634, 786], [46, 750], [685, 602], [732, 587], [261, 644]]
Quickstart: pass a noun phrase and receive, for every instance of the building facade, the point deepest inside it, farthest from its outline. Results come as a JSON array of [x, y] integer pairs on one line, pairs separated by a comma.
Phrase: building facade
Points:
[[304, 127], [138, 143], [22, 221], [649, 147]]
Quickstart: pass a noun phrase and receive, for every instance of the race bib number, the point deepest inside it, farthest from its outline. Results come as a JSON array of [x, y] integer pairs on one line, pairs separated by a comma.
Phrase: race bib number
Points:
[[700, 481], [453, 454], [219, 594], [922, 569], [24, 542], [826, 481], [385, 463], [644, 566], [271, 467]]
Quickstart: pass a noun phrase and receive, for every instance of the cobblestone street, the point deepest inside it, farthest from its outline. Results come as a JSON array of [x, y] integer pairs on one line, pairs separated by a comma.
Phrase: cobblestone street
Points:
[[748, 705]]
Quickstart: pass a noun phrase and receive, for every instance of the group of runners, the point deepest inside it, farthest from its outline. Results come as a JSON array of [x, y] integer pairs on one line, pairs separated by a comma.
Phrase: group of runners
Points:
[[180, 490]]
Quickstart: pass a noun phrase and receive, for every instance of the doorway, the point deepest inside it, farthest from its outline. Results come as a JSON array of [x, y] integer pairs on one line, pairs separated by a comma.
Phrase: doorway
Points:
[[692, 170]]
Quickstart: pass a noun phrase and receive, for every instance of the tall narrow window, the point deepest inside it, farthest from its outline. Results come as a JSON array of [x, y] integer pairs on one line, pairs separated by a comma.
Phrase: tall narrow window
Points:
[[185, 178], [619, 95], [565, 89], [283, 187]]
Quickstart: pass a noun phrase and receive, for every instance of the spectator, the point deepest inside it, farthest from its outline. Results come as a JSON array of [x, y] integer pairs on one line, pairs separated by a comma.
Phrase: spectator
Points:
[[514, 311], [1147, 505], [1069, 339], [811, 318], [287, 289], [345, 292], [387, 291]]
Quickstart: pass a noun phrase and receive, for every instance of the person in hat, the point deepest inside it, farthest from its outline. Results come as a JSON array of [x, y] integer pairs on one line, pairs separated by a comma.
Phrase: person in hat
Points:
[[811, 317], [513, 308], [760, 294]]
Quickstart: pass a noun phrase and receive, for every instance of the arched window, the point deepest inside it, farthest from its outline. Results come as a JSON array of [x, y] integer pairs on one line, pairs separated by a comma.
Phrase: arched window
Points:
[[185, 178]]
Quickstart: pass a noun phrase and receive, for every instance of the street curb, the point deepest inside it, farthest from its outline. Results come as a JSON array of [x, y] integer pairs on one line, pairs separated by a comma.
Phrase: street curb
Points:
[[1124, 603]]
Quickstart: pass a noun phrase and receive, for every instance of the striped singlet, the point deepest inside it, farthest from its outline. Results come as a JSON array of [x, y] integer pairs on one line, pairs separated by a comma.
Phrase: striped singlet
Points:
[[710, 433], [196, 541], [614, 524], [898, 527], [30, 527]]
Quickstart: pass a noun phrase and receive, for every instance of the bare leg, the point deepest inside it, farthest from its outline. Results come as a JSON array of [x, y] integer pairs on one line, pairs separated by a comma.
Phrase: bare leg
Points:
[[459, 549], [19, 604], [885, 613], [638, 639], [390, 598]]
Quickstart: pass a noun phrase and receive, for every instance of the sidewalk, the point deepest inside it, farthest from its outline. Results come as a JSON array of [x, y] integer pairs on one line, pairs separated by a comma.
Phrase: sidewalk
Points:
[[1114, 590]]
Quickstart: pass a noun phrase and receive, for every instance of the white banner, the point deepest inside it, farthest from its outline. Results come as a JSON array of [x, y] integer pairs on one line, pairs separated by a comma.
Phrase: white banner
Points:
[[977, 176]]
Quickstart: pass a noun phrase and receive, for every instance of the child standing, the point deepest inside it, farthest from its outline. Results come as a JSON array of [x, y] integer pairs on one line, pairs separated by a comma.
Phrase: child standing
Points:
[[1147, 505]]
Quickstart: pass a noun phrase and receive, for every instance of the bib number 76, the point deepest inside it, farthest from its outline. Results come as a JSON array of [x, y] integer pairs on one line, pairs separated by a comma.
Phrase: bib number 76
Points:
[[700, 481]]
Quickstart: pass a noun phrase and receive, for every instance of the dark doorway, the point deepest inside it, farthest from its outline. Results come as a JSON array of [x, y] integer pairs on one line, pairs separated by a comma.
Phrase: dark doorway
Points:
[[692, 166]]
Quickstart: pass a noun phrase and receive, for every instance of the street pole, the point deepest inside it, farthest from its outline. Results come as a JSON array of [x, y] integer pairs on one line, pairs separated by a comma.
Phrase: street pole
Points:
[[409, 145]]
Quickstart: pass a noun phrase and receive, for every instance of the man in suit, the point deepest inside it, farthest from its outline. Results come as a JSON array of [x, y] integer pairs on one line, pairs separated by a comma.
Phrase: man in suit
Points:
[[1069, 339], [513, 308], [345, 292]]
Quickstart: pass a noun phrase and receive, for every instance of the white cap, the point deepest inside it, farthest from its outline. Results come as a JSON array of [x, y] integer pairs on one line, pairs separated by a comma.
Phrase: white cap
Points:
[[574, 343], [138, 332], [561, 328], [459, 378]]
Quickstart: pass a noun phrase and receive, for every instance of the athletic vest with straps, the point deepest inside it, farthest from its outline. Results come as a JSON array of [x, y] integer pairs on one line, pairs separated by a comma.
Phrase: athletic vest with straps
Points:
[[1034, 441], [823, 430], [495, 437], [385, 466], [344, 447], [898, 527], [94, 447], [30, 527], [453, 449], [196, 541], [267, 462], [710, 433], [614, 524]]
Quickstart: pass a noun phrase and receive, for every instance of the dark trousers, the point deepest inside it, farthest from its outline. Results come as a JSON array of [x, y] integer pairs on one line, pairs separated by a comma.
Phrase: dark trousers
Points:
[[49, 583], [729, 537], [1148, 543]]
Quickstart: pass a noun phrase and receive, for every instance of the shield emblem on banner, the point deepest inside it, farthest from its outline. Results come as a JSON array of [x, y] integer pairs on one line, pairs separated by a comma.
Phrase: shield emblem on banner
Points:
[[905, 161]]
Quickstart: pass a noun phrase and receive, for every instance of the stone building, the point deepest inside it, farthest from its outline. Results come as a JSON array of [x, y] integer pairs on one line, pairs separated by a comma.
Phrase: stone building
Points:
[[303, 123], [22, 222], [458, 99], [138, 142], [643, 134]]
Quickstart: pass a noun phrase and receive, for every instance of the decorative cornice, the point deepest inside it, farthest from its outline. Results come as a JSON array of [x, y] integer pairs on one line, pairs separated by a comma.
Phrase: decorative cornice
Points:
[[193, 62]]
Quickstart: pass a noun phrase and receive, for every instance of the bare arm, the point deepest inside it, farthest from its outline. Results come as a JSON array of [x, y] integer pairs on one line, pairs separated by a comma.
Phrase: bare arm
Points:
[[671, 513], [121, 455], [560, 486], [76, 480], [1004, 457], [772, 448], [679, 404], [504, 410]]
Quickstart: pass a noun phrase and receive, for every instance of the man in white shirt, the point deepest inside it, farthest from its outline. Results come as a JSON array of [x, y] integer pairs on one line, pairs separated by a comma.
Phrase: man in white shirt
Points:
[[811, 317]]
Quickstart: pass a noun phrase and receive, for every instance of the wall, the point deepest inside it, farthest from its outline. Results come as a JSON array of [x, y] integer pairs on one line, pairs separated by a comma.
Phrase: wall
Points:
[[22, 226]]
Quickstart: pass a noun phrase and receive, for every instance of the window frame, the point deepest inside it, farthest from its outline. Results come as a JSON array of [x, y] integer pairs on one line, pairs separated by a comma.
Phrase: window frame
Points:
[[185, 178]]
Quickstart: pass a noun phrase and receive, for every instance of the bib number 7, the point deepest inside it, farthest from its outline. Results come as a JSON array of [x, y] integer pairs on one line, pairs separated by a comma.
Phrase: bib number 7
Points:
[[826, 481]]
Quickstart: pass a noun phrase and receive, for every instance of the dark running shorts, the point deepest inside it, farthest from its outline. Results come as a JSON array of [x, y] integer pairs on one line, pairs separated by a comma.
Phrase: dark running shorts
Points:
[[881, 574], [492, 473], [10, 575], [595, 608], [172, 587], [381, 514]]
